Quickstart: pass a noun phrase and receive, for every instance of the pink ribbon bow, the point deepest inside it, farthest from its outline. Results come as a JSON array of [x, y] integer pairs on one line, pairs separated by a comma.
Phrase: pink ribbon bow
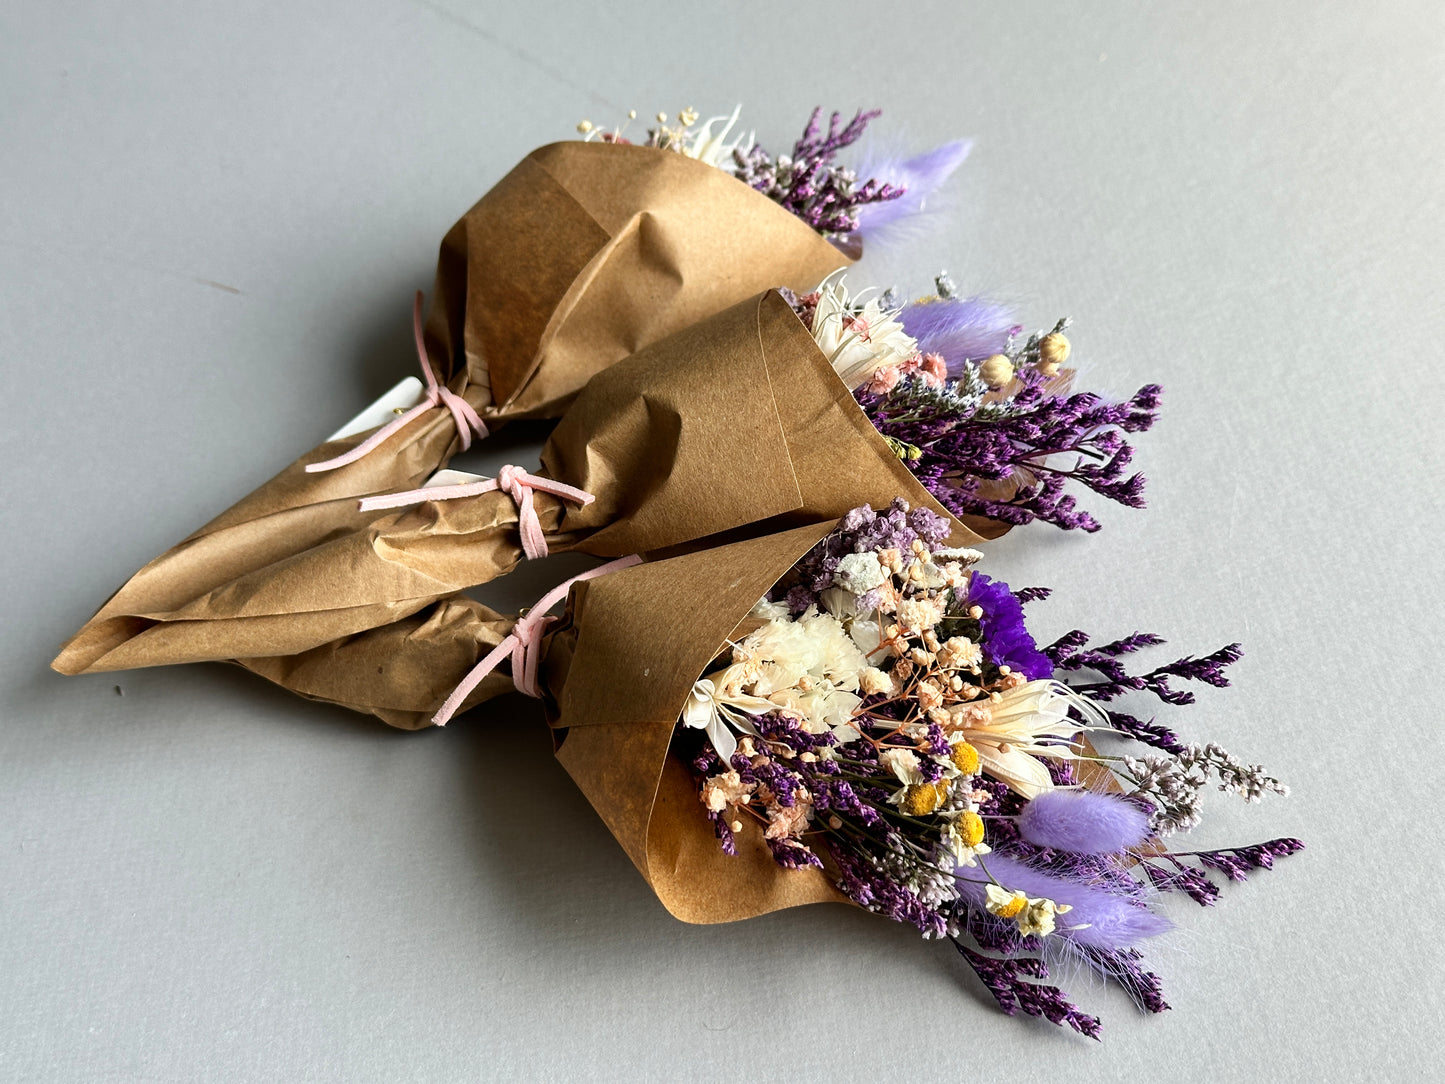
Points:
[[467, 419], [514, 481], [523, 643]]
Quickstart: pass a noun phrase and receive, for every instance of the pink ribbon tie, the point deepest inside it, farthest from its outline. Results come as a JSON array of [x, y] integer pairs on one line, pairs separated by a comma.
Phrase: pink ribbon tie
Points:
[[514, 481], [437, 394], [523, 643]]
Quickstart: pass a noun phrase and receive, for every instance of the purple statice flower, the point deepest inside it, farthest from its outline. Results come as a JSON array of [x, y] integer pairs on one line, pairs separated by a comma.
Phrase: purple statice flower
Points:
[[1008, 460], [1007, 979], [959, 330], [1083, 822], [1122, 965], [1236, 862], [810, 183], [1186, 879], [1006, 640], [1070, 652], [1168, 872], [919, 177]]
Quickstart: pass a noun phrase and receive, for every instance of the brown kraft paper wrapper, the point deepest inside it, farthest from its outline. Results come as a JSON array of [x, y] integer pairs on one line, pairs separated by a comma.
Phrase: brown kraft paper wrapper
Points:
[[616, 671], [584, 253], [738, 422]]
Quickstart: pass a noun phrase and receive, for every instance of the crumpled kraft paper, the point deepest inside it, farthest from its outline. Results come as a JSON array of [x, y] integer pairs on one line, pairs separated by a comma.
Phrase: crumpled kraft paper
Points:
[[616, 669], [584, 253], [737, 423]]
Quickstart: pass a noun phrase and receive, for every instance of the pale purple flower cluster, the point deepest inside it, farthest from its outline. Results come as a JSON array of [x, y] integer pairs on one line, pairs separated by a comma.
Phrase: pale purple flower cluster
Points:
[[960, 330], [860, 531]]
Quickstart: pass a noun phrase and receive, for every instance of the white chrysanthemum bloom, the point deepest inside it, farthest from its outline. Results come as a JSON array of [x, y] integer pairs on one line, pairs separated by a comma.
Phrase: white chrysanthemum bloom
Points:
[[823, 708], [770, 611], [814, 645], [858, 344], [809, 667], [1026, 722], [865, 632]]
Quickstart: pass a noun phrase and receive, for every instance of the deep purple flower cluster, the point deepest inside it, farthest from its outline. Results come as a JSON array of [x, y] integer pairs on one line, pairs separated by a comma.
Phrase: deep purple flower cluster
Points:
[[1236, 863], [1071, 653], [1007, 979], [1006, 639], [1004, 463], [809, 182]]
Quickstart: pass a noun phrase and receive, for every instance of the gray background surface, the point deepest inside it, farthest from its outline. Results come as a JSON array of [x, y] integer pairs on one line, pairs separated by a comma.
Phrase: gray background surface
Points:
[[214, 217]]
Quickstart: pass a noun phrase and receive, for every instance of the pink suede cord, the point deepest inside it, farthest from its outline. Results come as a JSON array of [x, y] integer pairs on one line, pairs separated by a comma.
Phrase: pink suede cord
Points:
[[523, 643], [467, 419], [513, 481]]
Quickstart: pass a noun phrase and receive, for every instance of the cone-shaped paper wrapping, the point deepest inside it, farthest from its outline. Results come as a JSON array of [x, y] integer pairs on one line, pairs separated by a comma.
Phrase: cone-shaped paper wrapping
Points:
[[582, 254], [617, 669], [736, 424], [587, 252]]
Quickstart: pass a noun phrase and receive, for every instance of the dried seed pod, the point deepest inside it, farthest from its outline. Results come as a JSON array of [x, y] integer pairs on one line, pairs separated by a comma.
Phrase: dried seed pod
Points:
[[996, 371]]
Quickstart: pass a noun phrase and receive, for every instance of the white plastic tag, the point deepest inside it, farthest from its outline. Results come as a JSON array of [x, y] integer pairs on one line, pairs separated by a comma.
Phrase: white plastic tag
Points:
[[449, 477], [399, 400]]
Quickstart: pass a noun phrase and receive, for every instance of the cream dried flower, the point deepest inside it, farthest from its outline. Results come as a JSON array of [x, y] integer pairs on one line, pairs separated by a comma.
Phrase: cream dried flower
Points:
[[959, 653], [858, 344]]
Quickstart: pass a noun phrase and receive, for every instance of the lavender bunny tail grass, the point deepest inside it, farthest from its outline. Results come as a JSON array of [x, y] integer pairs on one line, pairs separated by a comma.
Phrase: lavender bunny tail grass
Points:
[[920, 177], [1083, 822], [958, 329]]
